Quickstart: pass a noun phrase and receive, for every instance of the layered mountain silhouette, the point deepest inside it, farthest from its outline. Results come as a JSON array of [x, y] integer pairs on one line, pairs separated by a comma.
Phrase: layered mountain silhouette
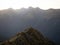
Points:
[[29, 36], [46, 21]]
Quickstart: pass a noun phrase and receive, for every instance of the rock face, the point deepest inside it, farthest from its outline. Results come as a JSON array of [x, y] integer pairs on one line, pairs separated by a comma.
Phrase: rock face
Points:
[[29, 37]]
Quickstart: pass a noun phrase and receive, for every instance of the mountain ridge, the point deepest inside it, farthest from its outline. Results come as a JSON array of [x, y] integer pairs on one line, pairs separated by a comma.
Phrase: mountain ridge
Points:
[[29, 37], [46, 21]]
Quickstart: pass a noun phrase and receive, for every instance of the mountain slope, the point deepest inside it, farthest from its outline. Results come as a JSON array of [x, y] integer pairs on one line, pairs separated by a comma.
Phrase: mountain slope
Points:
[[13, 21], [29, 37]]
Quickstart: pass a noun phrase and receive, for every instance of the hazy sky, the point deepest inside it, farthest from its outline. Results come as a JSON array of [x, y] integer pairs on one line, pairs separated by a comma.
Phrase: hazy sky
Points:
[[16, 4]]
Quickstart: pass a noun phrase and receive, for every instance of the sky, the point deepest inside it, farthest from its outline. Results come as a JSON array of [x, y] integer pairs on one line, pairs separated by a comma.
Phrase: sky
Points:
[[17, 4]]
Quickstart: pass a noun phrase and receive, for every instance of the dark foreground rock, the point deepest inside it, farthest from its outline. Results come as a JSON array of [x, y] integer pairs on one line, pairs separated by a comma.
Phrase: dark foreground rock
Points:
[[29, 37]]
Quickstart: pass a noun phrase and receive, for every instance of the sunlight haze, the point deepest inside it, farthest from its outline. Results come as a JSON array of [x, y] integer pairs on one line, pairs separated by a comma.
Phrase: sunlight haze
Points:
[[17, 4]]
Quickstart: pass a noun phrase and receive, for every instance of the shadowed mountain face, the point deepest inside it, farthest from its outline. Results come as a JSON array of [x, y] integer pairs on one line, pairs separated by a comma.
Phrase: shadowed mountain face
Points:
[[29, 37], [46, 21]]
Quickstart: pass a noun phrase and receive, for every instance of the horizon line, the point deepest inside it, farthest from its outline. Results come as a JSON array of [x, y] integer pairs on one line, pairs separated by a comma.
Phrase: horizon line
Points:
[[28, 8]]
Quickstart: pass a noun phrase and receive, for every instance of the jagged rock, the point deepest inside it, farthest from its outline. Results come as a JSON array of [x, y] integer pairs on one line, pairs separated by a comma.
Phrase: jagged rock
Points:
[[29, 37]]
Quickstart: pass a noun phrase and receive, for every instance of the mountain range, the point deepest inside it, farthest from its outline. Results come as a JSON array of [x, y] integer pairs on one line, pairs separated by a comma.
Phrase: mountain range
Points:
[[14, 21]]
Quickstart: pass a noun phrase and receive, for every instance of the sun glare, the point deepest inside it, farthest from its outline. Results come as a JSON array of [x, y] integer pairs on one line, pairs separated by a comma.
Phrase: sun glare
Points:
[[16, 4]]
